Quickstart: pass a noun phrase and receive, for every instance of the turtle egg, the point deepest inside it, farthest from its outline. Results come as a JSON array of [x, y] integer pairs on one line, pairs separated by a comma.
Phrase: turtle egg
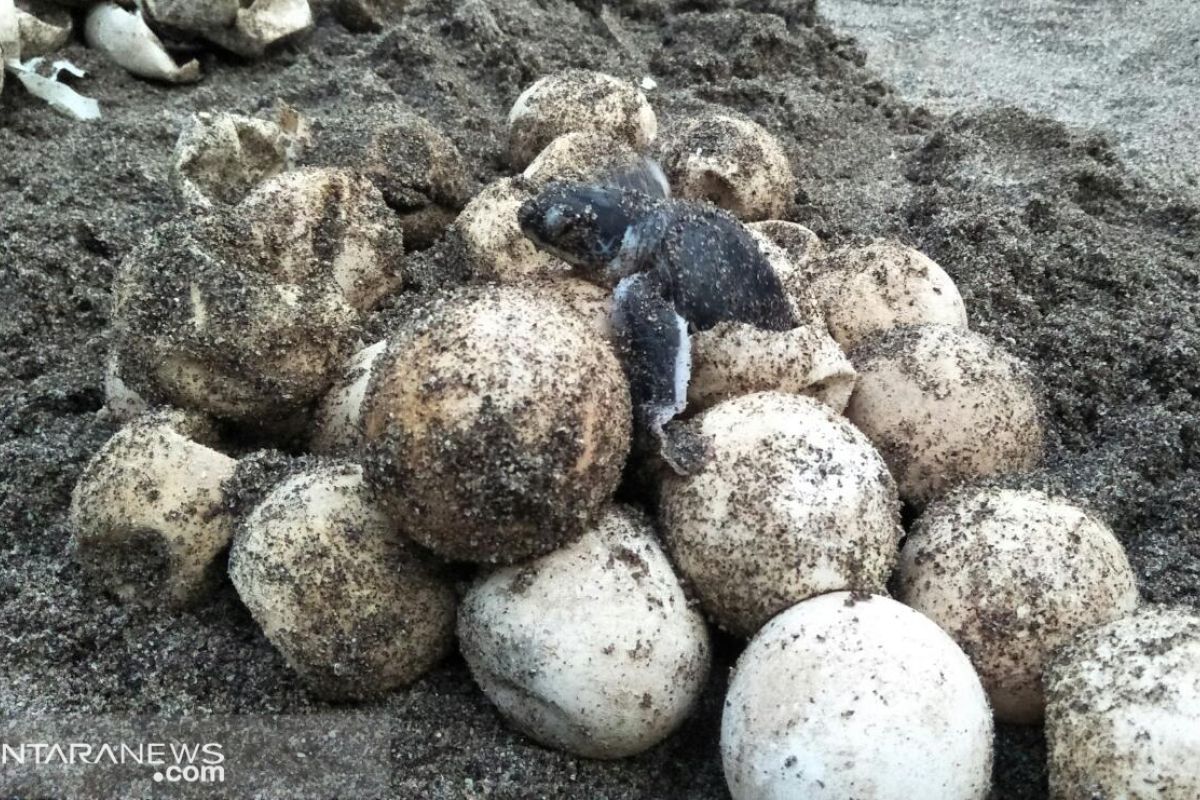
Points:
[[580, 156], [1121, 711], [944, 405], [864, 290], [592, 649], [491, 240], [734, 359], [792, 502], [1011, 575], [577, 100], [354, 608], [846, 696], [497, 423], [731, 162]]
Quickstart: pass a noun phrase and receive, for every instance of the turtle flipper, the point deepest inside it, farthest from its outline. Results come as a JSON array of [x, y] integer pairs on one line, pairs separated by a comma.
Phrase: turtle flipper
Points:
[[656, 353]]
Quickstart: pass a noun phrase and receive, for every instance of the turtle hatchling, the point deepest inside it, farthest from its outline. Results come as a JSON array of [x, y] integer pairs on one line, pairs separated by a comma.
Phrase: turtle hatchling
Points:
[[678, 267]]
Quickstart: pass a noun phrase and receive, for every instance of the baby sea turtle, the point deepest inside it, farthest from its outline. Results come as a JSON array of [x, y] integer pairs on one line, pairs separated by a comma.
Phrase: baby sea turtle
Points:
[[677, 267]]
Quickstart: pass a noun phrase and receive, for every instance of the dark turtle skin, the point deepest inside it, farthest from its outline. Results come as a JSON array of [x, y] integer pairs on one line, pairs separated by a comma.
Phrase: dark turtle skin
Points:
[[678, 267]]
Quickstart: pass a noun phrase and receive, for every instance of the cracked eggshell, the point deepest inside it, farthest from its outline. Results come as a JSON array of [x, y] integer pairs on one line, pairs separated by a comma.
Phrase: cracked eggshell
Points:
[[865, 290], [851, 696], [44, 28], [793, 502], [731, 162], [1012, 575], [337, 424], [577, 100], [496, 423], [326, 221], [734, 359], [262, 24], [126, 40], [593, 648], [491, 239], [792, 250], [354, 608], [199, 323], [219, 158], [148, 515], [580, 156], [1121, 709], [943, 406]]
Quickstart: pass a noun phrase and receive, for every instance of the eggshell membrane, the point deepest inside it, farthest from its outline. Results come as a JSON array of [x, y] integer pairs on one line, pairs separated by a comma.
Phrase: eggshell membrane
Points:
[[592, 649], [792, 502], [1012, 575], [944, 406], [855, 696], [1121, 709], [337, 424], [497, 424]]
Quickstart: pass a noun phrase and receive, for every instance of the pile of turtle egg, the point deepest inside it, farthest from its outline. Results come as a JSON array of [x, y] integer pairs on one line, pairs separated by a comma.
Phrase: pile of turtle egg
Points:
[[492, 426]]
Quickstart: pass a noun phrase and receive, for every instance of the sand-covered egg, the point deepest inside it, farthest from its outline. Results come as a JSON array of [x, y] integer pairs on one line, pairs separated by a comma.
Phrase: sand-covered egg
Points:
[[853, 696], [734, 359], [1012, 575], [201, 321], [354, 608], [582, 156], [791, 502], [731, 162], [577, 100], [944, 406], [492, 244], [497, 422], [149, 515], [593, 648], [1121, 711], [329, 221], [419, 170], [864, 290]]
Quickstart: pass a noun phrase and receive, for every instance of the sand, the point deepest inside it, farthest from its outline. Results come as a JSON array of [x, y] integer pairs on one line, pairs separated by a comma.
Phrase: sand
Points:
[[1063, 254]]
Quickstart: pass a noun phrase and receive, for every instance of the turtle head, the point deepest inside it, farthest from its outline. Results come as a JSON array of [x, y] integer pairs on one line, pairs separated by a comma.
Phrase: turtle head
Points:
[[583, 224]]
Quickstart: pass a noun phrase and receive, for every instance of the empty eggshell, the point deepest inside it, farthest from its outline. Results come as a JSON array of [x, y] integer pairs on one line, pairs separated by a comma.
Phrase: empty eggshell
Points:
[[491, 239], [592, 649], [1121, 709], [577, 100], [731, 162], [496, 424], [125, 38], [337, 424], [149, 516], [792, 502], [262, 24], [354, 608], [864, 290], [44, 28], [735, 359], [1011, 575], [219, 158], [850, 696], [795, 277], [944, 405]]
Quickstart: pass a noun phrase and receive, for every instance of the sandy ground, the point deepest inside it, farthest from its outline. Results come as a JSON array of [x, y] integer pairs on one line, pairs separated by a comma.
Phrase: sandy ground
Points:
[[1131, 69], [1072, 260]]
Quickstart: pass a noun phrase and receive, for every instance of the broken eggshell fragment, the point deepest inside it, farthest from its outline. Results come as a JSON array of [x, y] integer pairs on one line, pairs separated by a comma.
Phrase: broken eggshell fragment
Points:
[[261, 25], [125, 38], [219, 158]]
